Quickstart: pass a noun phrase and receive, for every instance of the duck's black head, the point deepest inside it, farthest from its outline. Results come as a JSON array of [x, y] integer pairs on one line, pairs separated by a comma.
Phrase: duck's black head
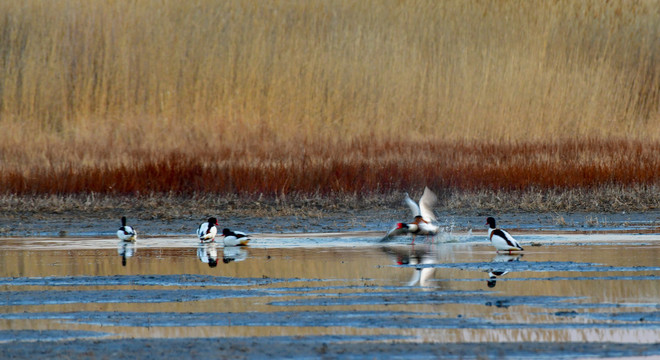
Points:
[[123, 221], [213, 221], [491, 222], [226, 232]]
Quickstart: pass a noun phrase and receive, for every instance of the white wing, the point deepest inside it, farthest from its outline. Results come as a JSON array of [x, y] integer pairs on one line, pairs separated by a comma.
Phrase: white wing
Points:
[[129, 230], [414, 208], [426, 204], [202, 229]]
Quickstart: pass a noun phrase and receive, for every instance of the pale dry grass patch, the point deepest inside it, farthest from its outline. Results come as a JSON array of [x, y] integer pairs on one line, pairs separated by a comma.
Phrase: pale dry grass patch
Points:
[[170, 207]]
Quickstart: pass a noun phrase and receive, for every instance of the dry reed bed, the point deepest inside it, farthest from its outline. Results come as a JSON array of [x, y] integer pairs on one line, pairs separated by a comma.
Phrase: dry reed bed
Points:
[[164, 73]]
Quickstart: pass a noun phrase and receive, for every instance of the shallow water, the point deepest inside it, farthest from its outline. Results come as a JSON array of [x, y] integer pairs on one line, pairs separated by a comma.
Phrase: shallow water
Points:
[[563, 288]]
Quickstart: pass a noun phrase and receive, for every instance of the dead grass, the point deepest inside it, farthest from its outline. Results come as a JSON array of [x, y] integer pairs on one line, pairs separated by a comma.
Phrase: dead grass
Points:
[[169, 207]]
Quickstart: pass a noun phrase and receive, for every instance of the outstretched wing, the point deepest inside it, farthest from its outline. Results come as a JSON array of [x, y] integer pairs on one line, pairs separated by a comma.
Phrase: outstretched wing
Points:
[[414, 208], [426, 204], [396, 231]]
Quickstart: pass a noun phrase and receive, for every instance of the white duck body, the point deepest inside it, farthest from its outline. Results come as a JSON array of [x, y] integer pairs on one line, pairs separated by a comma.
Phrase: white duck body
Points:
[[235, 238], [208, 230], [125, 232], [427, 228], [501, 240]]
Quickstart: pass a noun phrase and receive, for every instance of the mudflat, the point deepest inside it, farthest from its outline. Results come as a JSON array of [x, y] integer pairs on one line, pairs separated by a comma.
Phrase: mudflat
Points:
[[586, 285]]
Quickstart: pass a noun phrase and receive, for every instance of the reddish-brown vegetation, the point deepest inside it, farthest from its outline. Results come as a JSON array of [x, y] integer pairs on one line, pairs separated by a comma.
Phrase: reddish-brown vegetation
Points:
[[360, 167]]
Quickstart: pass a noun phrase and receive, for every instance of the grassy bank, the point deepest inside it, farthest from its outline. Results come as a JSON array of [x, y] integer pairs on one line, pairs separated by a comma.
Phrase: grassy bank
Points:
[[164, 207]]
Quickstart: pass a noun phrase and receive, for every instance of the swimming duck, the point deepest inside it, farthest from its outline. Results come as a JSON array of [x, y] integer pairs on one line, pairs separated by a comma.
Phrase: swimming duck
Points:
[[235, 238], [501, 240], [207, 230], [423, 217], [125, 232]]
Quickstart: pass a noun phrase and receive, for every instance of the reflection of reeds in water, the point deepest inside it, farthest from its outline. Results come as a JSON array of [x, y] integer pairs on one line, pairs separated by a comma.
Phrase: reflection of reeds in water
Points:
[[243, 96]]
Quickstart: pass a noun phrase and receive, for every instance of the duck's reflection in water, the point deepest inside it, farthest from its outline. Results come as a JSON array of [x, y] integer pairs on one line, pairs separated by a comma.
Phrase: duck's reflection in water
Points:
[[126, 250], [416, 255], [234, 253], [496, 272], [208, 253]]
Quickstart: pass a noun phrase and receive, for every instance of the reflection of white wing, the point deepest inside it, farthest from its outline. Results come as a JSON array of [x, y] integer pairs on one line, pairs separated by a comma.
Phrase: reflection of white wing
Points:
[[415, 277], [426, 276], [423, 275], [426, 204], [414, 208]]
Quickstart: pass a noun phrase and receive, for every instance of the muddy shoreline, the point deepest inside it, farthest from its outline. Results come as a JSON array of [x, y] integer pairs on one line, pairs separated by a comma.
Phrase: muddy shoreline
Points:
[[104, 223], [157, 215]]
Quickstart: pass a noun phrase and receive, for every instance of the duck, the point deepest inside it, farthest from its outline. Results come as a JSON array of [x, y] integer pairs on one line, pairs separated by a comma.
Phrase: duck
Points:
[[125, 232], [423, 218], [235, 238], [501, 240], [207, 230]]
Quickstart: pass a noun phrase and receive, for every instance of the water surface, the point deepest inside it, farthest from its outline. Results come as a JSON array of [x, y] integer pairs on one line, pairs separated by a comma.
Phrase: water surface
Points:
[[454, 289]]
